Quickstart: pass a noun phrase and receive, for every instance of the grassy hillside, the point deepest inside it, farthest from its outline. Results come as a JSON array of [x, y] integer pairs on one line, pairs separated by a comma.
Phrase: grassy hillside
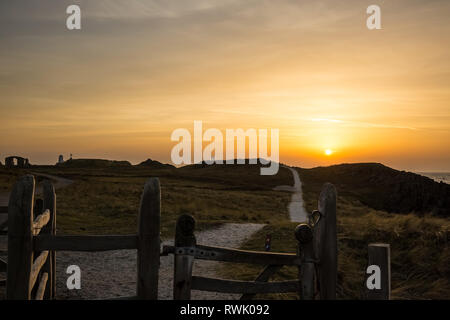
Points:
[[420, 254], [381, 188], [154, 164], [104, 200], [8, 177], [237, 176]]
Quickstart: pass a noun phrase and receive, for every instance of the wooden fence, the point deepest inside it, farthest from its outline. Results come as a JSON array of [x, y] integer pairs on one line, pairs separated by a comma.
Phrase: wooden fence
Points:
[[32, 242], [316, 259]]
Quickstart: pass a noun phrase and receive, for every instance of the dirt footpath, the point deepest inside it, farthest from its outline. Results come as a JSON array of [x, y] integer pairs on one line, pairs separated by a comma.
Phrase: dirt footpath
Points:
[[296, 208], [113, 273]]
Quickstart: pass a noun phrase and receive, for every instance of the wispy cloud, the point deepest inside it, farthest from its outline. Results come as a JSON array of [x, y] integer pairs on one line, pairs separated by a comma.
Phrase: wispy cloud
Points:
[[364, 124], [347, 123]]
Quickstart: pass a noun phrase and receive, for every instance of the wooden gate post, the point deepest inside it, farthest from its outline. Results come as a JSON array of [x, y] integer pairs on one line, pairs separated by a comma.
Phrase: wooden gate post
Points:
[[379, 255], [185, 243], [149, 241], [304, 236], [50, 228], [325, 243], [20, 239]]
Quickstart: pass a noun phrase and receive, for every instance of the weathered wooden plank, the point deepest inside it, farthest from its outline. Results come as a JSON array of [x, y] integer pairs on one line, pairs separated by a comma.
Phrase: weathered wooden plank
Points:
[[85, 243], [325, 243], [20, 245], [3, 265], [4, 224], [37, 266], [40, 221], [42, 285], [239, 256], [49, 203], [149, 241], [379, 255], [247, 287], [4, 243], [264, 276], [184, 237], [305, 251], [245, 256]]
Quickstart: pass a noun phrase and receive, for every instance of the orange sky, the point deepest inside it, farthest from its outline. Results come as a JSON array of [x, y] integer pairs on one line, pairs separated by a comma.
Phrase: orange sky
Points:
[[140, 69]]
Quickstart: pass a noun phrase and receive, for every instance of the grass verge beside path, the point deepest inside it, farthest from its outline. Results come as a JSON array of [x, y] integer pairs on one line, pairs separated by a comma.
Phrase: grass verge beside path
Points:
[[106, 201], [420, 254]]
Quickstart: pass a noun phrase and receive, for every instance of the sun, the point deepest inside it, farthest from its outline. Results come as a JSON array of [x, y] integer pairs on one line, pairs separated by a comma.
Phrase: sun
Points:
[[328, 152]]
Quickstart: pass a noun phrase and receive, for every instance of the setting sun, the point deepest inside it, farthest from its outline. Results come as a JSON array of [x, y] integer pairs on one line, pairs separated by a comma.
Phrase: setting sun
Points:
[[328, 152]]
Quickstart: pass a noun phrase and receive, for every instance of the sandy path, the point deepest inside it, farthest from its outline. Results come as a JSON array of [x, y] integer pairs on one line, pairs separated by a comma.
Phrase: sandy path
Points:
[[113, 273], [58, 182], [296, 208]]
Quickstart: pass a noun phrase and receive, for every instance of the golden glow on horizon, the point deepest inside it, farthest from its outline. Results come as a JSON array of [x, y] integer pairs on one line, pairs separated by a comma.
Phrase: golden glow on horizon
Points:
[[311, 70]]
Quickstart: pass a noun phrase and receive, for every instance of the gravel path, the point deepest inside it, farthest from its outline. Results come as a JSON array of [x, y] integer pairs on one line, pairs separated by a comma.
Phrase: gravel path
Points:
[[296, 208], [113, 273]]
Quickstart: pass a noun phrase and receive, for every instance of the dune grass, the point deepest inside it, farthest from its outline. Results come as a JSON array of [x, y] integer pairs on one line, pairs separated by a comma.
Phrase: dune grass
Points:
[[106, 201], [420, 254]]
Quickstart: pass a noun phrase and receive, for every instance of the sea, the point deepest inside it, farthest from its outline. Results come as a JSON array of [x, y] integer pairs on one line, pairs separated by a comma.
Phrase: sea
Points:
[[437, 176]]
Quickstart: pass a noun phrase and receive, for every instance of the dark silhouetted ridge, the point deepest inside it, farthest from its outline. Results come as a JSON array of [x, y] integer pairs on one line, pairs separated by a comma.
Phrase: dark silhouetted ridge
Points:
[[154, 164], [93, 163], [384, 188]]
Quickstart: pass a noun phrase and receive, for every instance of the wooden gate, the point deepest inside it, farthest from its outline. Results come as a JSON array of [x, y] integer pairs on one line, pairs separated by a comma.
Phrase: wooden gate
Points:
[[316, 259], [32, 242]]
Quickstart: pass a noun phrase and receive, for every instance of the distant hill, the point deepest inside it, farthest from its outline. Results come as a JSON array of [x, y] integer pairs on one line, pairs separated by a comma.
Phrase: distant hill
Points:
[[236, 176], [383, 188], [93, 163], [149, 163]]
